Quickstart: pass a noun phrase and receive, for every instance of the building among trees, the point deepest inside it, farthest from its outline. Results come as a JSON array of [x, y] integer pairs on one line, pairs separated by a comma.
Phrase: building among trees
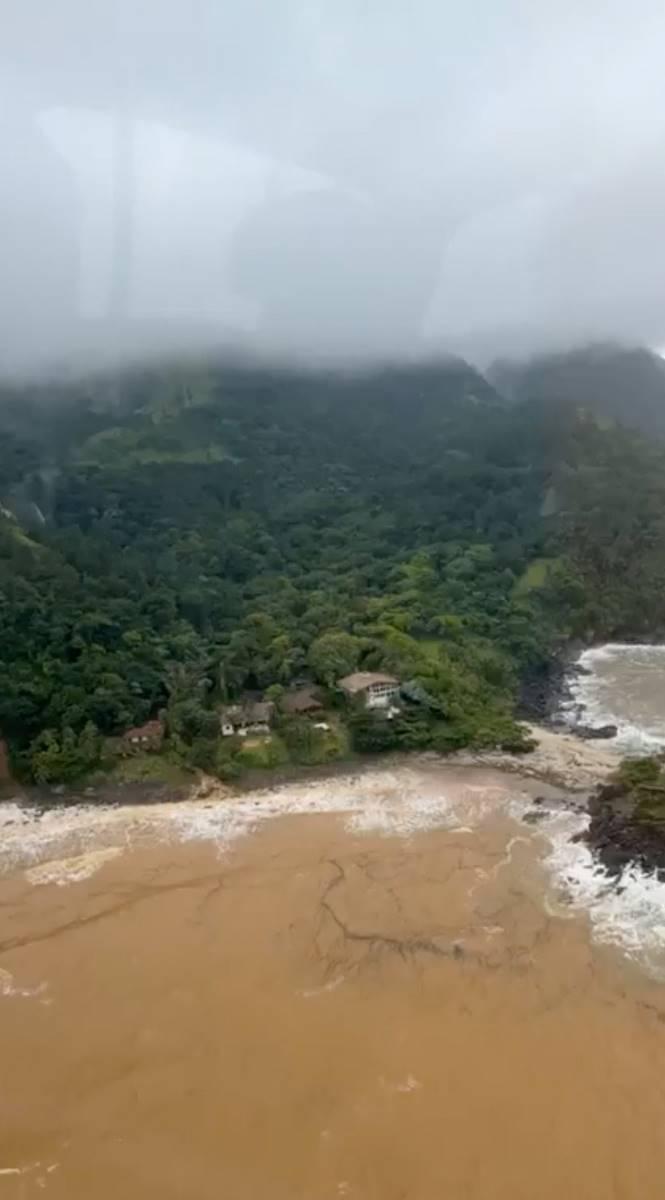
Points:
[[241, 719], [143, 737], [302, 702], [376, 689]]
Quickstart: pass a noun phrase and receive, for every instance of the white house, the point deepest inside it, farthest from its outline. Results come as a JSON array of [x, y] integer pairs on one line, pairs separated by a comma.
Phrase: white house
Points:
[[376, 689]]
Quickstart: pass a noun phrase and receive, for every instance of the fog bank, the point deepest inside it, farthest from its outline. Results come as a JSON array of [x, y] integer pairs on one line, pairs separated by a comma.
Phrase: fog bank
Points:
[[330, 182]]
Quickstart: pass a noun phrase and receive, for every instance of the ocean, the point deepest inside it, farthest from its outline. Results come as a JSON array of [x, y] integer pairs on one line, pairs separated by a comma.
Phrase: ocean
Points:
[[625, 686]]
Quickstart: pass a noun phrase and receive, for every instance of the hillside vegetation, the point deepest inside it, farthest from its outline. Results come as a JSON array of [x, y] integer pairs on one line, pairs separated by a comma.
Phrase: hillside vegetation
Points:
[[170, 539]]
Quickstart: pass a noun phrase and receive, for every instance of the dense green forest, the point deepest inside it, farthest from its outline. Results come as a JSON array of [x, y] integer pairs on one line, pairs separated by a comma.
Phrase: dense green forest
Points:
[[172, 538]]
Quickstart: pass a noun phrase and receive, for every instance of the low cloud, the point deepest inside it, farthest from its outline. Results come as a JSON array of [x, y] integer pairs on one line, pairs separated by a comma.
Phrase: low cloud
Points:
[[330, 181]]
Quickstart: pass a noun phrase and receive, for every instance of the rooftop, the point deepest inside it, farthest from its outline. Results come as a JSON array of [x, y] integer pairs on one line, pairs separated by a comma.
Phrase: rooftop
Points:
[[150, 729], [359, 681], [301, 700], [253, 712]]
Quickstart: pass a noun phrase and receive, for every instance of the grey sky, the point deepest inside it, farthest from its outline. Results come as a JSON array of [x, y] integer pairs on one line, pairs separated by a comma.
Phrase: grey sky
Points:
[[331, 178]]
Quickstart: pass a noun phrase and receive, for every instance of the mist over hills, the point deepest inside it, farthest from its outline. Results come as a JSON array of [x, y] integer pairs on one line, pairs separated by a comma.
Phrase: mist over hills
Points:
[[173, 536], [624, 384]]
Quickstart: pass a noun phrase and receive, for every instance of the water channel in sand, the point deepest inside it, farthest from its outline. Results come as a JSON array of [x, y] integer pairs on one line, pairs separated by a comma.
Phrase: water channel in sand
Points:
[[393, 1001]]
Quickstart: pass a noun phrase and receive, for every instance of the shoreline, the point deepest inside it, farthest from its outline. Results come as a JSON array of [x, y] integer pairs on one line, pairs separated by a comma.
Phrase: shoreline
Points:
[[542, 691], [550, 793], [414, 790], [561, 759], [405, 797], [588, 711], [539, 708]]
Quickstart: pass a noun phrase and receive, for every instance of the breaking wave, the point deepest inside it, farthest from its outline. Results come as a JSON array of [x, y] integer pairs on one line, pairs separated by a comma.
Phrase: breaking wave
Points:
[[625, 911], [72, 841], [67, 845], [622, 685]]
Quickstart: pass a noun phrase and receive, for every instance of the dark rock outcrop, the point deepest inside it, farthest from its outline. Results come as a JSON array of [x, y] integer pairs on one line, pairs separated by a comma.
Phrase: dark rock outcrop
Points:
[[628, 826], [590, 732], [542, 689]]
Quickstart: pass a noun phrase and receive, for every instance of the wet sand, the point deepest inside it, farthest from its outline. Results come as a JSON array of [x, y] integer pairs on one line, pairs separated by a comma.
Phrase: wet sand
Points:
[[322, 1012]]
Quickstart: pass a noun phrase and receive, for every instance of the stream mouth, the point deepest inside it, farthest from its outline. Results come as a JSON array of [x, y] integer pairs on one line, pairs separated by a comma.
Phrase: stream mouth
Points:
[[374, 986]]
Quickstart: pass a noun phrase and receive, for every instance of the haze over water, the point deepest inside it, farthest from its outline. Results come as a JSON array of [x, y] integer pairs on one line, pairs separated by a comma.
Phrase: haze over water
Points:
[[395, 1001]]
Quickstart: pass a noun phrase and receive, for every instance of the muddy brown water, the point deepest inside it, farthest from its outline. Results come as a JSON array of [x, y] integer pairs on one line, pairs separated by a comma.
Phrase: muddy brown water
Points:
[[318, 1013]]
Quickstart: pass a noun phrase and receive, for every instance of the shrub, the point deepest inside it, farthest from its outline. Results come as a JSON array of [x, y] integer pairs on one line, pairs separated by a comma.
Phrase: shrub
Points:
[[636, 772], [266, 754]]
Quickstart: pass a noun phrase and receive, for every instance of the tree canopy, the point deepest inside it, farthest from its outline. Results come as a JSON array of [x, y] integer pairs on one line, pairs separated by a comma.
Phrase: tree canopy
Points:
[[171, 538]]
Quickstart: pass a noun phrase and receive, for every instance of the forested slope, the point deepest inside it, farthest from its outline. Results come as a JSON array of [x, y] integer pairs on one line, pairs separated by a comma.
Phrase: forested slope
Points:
[[172, 538]]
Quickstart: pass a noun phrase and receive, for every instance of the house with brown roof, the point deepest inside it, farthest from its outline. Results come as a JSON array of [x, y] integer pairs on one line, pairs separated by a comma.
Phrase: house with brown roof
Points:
[[376, 689], [143, 737], [238, 720], [302, 702]]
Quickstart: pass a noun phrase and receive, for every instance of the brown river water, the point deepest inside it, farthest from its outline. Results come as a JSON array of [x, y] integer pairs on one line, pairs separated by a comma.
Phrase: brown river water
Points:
[[392, 1002]]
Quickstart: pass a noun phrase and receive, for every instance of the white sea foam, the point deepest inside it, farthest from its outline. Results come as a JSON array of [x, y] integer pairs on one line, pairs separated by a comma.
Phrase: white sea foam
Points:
[[66, 845], [410, 1084], [414, 814], [626, 911], [598, 698], [32, 836], [417, 809], [62, 871], [9, 987], [331, 986]]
